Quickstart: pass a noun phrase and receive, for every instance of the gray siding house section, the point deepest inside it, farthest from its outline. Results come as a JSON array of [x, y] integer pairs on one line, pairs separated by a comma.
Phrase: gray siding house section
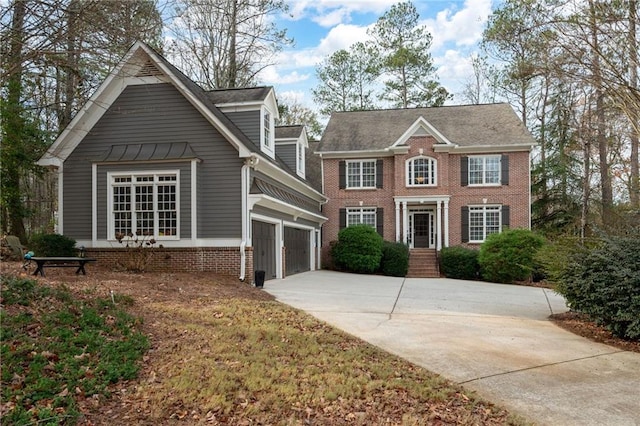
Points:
[[158, 113], [287, 153], [248, 122]]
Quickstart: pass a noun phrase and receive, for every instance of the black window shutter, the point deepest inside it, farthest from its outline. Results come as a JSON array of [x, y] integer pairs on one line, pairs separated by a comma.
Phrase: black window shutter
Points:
[[379, 174], [380, 221], [464, 171], [506, 213], [343, 218], [504, 164], [342, 173], [464, 220]]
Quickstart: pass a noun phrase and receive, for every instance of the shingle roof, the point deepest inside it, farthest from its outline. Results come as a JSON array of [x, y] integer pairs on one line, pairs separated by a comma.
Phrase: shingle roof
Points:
[[248, 94], [313, 166], [288, 132], [466, 125]]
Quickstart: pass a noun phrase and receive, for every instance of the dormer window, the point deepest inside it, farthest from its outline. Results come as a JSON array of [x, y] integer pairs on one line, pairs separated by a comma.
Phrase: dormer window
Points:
[[421, 171], [266, 139]]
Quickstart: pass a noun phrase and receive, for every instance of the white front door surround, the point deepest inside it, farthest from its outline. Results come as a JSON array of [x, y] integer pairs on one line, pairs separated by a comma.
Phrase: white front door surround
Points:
[[408, 207]]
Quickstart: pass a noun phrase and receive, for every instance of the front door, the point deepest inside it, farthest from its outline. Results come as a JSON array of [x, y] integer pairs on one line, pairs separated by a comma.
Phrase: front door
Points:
[[421, 230]]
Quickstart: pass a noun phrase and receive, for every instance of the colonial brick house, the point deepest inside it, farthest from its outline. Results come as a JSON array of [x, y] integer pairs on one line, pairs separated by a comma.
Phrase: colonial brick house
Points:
[[429, 177], [206, 174]]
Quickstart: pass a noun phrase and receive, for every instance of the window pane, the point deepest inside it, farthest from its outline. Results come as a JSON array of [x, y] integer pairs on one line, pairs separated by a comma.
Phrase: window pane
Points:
[[357, 216], [422, 172], [368, 174], [475, 170], [122, 210], [353, 174], [492, 174]]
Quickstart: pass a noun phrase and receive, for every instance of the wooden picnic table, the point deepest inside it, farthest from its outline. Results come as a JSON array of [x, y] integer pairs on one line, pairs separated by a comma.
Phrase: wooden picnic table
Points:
[[61, 262]]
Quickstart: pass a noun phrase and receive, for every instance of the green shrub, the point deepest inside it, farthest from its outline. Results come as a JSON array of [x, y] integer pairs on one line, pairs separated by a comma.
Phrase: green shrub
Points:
[[359, 249], [459, 262], [53, 245], [395, 259], [509, 256], [604, 283]]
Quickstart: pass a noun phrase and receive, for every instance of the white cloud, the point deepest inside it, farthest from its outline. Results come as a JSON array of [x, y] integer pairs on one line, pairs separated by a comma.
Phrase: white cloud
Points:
[[328, 13], [271, 75], [461, 27]]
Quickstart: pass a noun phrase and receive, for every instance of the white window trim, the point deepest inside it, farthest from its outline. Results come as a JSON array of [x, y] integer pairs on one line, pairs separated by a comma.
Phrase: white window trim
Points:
[[269, 147], [484, 208], [408, 181], [110, 178], [300, 160], [346, 173], [484, 170], [360, 211]]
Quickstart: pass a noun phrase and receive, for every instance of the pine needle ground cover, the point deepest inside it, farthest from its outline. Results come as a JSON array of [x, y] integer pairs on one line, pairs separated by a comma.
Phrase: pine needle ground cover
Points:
[[222, 352]]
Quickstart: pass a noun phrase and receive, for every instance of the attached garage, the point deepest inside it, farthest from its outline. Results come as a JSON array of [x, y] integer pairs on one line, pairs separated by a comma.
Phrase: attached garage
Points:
[[298, 250], [264, 248]]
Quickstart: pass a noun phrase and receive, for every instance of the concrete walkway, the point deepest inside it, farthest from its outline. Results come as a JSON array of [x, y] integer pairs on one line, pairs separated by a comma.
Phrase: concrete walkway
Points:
[[492, 338]]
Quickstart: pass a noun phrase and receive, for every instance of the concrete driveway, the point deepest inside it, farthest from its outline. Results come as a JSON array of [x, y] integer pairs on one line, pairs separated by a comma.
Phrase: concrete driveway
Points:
[[492, 338]]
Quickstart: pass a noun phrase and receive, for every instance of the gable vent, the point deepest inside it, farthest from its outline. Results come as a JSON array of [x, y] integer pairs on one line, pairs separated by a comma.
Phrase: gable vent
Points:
[[149, 69]]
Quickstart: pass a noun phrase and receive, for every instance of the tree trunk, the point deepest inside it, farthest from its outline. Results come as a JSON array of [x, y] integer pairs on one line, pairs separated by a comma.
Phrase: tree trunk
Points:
[[634, 187], [13, 123], [601, 138], [232, 79]]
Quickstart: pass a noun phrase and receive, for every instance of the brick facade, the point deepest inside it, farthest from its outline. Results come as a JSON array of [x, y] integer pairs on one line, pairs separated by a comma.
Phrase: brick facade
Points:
[[218, 260], [448, 184]]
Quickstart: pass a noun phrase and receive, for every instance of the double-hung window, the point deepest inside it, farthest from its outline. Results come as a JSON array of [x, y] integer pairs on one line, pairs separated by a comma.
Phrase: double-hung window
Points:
[[421, 171], [144, 204], [357, 216], [483, 221], [484, 170], [361, 174]]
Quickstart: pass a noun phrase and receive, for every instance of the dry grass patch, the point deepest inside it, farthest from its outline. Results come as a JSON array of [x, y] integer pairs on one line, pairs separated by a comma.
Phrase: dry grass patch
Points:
[[223, 352]]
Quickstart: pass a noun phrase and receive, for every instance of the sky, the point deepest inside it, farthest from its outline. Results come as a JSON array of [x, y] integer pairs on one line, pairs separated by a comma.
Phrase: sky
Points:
[[321, 27]]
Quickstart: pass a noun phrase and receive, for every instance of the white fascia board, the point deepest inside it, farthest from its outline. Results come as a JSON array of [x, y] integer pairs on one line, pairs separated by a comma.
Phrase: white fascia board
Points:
[[480, 149], [240, 106], [270, 169], [279, 205], [272, 103], [424, 198], [286, 141], [421, 122]]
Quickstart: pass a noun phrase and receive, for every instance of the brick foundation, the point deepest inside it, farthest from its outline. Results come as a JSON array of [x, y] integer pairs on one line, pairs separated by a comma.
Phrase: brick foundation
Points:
[[218, 260]]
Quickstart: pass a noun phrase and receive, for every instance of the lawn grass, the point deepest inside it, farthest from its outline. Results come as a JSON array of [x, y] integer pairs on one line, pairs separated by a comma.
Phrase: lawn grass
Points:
[[56, 349], [272, 364], [208, 360]]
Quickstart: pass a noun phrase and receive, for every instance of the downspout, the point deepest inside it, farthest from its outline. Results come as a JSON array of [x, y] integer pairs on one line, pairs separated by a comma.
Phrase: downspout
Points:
[[244, 182], [244, 179]]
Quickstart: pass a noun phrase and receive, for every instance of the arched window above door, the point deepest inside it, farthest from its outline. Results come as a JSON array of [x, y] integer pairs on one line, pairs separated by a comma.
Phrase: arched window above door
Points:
[[422, 171]]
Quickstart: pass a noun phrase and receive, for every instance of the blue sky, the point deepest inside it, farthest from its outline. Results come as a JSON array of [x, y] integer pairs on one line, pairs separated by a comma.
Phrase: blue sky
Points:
[[321, 27]]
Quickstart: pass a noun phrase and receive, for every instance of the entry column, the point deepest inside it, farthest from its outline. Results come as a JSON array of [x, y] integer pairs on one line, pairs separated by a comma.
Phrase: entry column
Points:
[[439, 225]]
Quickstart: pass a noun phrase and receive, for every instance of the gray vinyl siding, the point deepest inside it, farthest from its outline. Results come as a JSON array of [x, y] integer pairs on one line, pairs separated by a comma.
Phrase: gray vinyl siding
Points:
[[185, 191], [249, 122], [287, 153], [158, 114]]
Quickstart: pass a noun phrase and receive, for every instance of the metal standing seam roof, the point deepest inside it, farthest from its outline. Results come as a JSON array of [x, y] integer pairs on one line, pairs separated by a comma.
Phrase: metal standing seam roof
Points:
[[148, 152], [465, 125]]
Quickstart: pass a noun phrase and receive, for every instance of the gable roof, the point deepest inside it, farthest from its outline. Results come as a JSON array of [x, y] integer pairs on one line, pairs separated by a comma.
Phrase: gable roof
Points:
[[143, 64], [489, 125]]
